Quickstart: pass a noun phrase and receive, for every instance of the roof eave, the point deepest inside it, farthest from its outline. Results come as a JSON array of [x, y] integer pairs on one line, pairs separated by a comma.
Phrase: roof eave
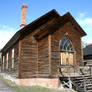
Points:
[[83, 33]]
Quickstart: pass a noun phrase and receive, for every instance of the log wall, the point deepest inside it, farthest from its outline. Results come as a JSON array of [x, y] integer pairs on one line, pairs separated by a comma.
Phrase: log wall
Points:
[[43, 58], [40, 58], [28, 57], [34, 55]]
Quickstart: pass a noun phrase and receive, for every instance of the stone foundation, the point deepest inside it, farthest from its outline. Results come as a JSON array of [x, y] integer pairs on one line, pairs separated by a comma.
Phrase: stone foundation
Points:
[[45, 82]]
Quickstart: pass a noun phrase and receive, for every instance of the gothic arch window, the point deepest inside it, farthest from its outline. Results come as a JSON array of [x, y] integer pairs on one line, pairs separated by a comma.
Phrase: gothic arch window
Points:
[[66, 45]]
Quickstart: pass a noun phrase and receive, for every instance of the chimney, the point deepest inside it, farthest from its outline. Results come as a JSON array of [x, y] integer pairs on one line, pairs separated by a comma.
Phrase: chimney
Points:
[[23, 15]]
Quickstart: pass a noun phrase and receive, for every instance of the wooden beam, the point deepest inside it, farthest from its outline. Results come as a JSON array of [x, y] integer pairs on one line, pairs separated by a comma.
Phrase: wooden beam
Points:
[[1, 62], [81, 53]]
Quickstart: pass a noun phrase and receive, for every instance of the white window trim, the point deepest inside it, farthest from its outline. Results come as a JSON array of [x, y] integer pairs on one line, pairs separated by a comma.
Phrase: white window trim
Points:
[[64, 46], [13, 57]]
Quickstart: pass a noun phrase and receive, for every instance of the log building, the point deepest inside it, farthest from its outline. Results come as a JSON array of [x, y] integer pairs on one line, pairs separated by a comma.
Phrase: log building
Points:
[[88, 54], [36, 50]]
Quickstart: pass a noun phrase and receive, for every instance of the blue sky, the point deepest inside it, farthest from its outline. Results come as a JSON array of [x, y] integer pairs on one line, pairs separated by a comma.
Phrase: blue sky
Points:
[[10, 14]]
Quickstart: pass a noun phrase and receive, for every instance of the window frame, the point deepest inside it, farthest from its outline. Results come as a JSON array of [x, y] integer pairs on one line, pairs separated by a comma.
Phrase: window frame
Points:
[[65, 45]]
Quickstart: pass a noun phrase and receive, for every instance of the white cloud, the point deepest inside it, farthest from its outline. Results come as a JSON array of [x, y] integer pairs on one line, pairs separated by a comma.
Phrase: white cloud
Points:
[[82, 15], [6, 33], [86, 23]]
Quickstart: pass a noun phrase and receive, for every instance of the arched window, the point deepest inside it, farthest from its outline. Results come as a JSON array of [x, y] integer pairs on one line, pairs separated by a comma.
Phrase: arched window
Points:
[[66, 45]]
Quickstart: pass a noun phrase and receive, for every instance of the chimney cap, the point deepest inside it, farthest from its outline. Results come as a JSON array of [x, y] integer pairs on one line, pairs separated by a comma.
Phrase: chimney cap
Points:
[[24, 6]]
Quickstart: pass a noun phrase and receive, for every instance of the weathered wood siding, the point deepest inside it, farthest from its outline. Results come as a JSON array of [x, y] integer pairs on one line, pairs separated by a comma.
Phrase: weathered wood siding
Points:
[[28, 56], [43, 58], [36, 58], [34, 55], [74, 36], [55, 56]]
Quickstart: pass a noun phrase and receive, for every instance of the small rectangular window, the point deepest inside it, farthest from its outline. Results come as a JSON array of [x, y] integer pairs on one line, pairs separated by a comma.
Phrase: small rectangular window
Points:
[[12, 58], [12, 53]]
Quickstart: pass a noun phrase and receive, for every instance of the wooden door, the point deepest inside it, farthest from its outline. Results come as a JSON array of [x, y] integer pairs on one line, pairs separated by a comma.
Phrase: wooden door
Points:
[[67, 58]]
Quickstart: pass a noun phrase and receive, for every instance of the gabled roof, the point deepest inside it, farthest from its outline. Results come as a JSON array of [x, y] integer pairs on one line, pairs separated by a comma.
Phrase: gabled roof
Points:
[[87, 50], [60, 20]]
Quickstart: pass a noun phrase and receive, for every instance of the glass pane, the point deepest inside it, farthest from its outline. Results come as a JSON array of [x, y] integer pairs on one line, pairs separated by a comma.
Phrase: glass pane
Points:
[[66, 45]]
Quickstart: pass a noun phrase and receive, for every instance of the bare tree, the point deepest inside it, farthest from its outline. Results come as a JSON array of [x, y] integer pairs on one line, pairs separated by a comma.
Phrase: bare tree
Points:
[[84, 44]]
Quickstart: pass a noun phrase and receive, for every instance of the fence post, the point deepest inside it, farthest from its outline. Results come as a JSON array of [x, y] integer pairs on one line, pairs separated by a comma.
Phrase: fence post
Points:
[[70, 83]]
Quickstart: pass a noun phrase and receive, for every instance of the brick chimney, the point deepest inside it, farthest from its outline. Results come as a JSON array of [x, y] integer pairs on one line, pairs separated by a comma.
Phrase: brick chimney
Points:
[[23, 15]]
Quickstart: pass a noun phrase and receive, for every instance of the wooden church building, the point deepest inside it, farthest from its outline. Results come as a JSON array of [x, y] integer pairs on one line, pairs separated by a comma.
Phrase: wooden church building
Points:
[[36, 50]]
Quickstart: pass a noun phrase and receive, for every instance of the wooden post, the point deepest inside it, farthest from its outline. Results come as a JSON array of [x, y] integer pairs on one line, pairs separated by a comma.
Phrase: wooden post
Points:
[[81, 54], [90, 70], [5, 62], [37, 61], [49, 46], [19, 60], [70, 83], [1, 62]]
